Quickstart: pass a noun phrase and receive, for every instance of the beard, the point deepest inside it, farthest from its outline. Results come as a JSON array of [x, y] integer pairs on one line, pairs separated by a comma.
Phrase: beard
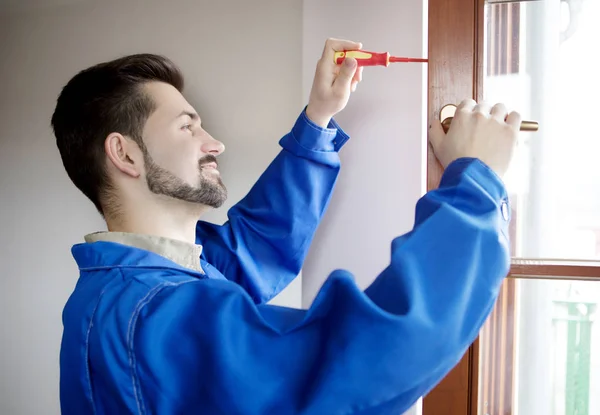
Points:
[[209, 191]]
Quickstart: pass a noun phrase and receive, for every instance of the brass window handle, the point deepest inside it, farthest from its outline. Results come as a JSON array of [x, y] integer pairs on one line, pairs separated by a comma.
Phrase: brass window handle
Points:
[[448, 111]]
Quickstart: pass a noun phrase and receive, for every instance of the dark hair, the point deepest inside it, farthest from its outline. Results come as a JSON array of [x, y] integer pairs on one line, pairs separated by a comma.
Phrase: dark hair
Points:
[[101, 100]]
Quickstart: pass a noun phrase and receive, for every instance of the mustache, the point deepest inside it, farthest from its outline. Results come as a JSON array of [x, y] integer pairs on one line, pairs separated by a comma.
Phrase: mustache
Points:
[[209, 158]]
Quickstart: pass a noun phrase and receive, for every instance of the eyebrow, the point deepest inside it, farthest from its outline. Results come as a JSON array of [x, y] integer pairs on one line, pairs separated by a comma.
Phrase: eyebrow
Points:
[[190, 114]]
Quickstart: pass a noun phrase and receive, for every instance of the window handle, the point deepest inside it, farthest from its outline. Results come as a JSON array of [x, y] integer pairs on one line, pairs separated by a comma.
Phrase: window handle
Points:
[[448, 111]]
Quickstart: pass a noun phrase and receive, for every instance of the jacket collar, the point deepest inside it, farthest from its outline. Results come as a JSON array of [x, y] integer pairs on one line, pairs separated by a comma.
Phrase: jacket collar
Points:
[[183, 253], [107, 255]]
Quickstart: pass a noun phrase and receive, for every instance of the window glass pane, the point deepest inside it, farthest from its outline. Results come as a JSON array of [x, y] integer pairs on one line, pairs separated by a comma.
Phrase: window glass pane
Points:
[[540, 350], [541, 60]]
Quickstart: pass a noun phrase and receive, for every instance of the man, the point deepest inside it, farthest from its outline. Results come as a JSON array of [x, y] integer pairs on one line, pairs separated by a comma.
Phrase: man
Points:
[[169, 313]]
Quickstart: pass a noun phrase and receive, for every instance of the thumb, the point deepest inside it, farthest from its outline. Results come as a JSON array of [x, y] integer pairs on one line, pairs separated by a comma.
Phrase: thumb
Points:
[[344, 79], [436, 134]]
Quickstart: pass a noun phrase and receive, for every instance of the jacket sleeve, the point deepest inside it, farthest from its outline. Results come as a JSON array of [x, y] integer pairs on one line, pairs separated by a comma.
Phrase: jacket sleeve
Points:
[[267, 235], [205, 347]]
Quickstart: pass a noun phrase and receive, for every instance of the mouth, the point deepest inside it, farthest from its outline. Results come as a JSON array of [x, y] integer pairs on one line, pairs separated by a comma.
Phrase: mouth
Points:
[[212, 166]]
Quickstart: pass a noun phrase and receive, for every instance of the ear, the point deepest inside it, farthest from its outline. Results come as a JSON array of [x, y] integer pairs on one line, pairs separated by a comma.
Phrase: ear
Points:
[[124, 154]]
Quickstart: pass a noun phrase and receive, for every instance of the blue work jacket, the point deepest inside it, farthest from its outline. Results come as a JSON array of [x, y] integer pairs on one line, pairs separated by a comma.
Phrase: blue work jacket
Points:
[[144, 335]]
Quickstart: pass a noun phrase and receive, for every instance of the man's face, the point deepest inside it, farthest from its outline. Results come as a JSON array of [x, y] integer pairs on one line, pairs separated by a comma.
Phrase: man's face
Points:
[[180, 160]]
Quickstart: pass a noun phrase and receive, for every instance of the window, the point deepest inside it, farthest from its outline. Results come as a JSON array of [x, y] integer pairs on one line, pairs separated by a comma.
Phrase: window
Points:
[[539, 352], [541, 345]]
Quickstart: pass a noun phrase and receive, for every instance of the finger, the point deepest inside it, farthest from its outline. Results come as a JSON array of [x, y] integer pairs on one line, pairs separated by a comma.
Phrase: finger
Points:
[[436, 134], [343, 82], [353, 86], [358, 75], [499, 112], [514, 120], [482, 107], [338, 45], [466, 104]]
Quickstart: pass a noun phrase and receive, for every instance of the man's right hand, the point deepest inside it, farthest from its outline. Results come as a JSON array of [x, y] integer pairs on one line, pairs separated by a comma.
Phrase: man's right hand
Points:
[[478, 132], [333, 83]]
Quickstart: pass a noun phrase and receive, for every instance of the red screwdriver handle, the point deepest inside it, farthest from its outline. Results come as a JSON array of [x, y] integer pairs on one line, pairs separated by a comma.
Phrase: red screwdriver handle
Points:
[[364, 58]]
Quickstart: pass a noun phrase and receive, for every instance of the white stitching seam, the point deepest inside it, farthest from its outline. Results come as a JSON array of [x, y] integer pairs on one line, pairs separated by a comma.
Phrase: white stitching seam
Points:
[[87, 351], [137, 390]]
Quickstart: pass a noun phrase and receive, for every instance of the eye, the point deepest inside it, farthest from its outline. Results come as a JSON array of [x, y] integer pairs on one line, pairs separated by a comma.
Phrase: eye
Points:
[[187, 127]]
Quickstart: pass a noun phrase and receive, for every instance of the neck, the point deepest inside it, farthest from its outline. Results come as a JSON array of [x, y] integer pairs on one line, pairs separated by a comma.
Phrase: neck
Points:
[[168, 218]]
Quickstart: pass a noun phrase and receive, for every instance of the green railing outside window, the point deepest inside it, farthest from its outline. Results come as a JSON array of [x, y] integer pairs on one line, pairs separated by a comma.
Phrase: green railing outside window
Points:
[[579, 339]]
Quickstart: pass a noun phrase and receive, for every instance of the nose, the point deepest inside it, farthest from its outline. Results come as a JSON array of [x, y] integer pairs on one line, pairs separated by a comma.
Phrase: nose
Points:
[[212, 146]]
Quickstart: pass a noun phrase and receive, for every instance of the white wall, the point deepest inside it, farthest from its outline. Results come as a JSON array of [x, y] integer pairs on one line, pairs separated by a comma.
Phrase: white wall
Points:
[[248, 103], [384, 164]]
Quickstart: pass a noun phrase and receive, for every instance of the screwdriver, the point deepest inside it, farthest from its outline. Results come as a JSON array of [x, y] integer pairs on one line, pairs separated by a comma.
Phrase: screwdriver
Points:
[[365, 58]]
